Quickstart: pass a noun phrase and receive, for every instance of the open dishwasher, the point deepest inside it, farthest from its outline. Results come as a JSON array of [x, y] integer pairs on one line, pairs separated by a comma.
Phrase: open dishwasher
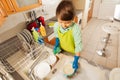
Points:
[[20, 52], [23, 55], [17, 50]]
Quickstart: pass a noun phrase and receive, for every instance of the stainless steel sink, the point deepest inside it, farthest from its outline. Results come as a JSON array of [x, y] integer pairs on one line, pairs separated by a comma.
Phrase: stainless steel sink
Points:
[[53, 19], [49, 30]]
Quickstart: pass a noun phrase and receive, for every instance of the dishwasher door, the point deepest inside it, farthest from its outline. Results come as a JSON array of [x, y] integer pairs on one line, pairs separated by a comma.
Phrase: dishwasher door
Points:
[[4, 75]]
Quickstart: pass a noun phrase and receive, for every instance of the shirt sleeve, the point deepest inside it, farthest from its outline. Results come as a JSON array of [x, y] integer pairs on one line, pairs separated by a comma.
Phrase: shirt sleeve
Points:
[[55, 29], [77, 38]]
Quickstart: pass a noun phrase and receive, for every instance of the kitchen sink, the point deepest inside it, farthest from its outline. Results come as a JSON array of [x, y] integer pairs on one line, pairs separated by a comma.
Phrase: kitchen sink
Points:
[[49, 25], [53, 19]]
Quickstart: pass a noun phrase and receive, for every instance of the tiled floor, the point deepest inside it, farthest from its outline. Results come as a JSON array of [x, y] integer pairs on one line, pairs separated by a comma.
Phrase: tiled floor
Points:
[[92, 36]]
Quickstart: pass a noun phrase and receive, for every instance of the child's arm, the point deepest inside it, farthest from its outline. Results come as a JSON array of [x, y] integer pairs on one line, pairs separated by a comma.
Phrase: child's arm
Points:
[[77, 39], [77, 54], [75, 62], [56, 48], [78, 45]]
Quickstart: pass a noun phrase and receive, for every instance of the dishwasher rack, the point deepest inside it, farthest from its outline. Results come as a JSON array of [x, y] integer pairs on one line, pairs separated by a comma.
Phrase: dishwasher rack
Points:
[[38, 60], [20, 61], [18, 51]]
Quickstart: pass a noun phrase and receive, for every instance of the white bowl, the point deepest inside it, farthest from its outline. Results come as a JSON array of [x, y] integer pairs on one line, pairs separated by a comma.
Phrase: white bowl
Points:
[[41, 70]]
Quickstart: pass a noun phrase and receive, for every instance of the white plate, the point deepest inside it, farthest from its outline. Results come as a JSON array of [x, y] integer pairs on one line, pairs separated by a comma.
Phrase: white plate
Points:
[[115, 74], [30, 35], [25, 36], [19, 35], [41, 70]]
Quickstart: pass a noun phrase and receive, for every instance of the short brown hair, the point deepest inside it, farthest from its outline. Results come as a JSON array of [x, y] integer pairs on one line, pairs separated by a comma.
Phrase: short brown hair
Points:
[[65, 10]]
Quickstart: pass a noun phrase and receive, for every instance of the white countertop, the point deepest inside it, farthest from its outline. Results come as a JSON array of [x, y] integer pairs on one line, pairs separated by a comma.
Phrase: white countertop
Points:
[[86, 71]]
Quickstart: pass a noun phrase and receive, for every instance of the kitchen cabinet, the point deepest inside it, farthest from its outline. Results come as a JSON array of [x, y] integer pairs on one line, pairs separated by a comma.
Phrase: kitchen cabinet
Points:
[[87, 10], [2, 14], [13, 6], [86, 6], [21, 5], [90, 11], [79, 4], [8, 6]]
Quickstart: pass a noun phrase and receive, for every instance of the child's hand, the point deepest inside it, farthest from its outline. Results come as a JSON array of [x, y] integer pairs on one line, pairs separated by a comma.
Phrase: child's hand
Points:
[[57, 46], [75, 62], [56, 50]]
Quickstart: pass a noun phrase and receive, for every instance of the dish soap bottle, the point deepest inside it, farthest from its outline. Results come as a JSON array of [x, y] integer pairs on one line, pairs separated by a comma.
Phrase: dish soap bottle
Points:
[[37, 37], [42, 30], [35, 34]]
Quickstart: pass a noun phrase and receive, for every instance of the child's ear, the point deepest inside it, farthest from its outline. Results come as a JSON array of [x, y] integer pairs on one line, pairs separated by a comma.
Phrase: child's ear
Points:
[[75, 19]]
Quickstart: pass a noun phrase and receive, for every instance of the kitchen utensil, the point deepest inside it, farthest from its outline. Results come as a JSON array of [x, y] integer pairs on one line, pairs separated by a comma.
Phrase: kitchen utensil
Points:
[[115, 74], [42, 69]]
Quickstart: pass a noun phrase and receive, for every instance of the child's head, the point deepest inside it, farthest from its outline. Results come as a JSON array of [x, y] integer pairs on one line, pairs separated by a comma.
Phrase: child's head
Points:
[[65, 13]]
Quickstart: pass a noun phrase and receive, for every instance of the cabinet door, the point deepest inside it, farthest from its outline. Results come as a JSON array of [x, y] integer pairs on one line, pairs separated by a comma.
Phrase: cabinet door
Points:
[[21, 5], [8, 6], [79, 4], [2, 14], [90, 12]]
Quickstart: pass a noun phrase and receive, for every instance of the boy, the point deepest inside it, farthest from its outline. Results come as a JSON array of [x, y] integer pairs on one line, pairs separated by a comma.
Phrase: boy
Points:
[[67, 32]]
